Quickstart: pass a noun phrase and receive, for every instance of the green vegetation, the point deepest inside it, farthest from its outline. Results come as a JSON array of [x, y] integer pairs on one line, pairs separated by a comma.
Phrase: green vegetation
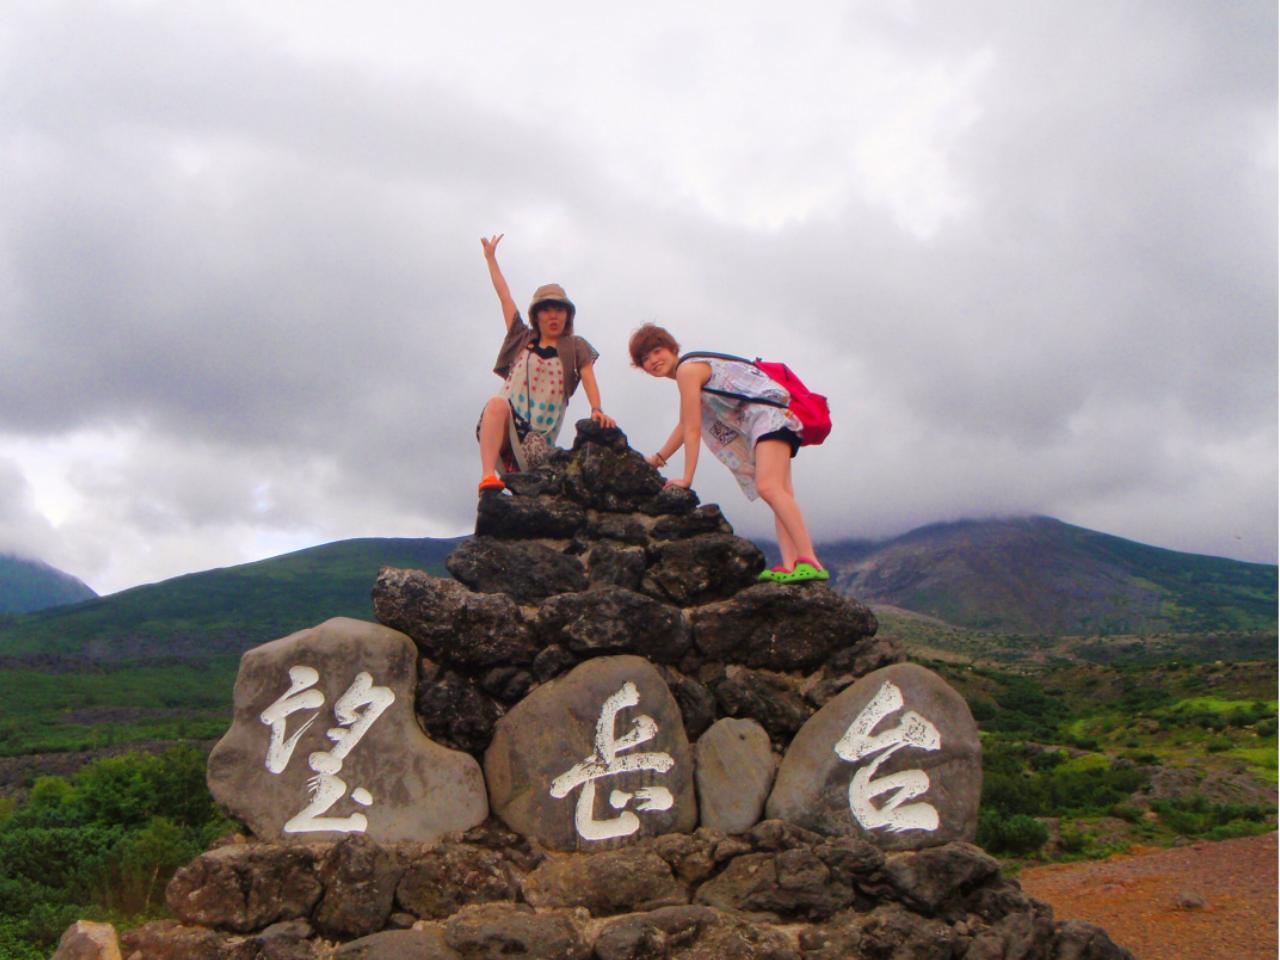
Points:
[[114, 704], [218, 611], [101, 845], [1081, 760]]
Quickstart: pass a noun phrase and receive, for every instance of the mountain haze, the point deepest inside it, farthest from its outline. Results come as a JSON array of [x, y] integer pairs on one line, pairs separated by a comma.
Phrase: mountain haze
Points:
[[1038, 575], [27, 585]]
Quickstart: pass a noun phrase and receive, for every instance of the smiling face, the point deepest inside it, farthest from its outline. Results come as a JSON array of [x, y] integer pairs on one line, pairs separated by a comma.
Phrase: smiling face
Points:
[[659, 362], [550, 319]]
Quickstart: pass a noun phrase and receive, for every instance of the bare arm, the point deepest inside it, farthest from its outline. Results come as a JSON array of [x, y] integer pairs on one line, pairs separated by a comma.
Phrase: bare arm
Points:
[[588, 376], [690, 378], [499, 281], [674, 442]]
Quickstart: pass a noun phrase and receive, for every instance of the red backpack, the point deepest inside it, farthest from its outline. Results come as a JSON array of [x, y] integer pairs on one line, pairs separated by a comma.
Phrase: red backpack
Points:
[[810, 408]]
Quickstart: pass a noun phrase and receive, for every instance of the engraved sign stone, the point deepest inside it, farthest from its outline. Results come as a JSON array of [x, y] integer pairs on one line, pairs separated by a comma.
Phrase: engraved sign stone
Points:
[[595, 759], [324, 743], [894, 759]]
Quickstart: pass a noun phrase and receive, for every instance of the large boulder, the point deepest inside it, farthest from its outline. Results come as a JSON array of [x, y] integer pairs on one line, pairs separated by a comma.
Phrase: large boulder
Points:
[[895, 758], [528, 572], [324, 742], [614, 620], [450, 623], [595, 759], [779, 627]]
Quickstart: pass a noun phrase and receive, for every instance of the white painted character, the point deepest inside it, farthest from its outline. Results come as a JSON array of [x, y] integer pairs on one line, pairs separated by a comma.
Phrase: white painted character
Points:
[[299, 696], [326, 787], [607, 762], [912, 732]]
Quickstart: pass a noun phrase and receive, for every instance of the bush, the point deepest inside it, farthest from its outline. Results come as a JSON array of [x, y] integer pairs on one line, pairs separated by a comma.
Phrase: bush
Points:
[[1071, 839], [1018, 834]]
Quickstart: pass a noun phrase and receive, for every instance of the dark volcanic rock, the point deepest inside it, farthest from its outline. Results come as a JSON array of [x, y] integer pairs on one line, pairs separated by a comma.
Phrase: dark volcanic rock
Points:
[[768, 698], [613, 620], [455, 712], [697, 703], [439, 882], [167, 940], [496, 931], [553, 661], [610, 477], [613, 720], [655, 935], [779, 627], [398, 945], [895, 758], [359, 879], [888, 931], [528, 572], [618, 526], [710, 566], [609, 564], [245, 887], [516, 518], [670, 501], [705, 519], [507, 684], [450, 623], [617, 881], [1077, 940]]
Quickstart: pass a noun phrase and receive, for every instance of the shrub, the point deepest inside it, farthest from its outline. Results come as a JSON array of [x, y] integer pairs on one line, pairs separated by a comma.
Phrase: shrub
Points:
[[1019, 834]]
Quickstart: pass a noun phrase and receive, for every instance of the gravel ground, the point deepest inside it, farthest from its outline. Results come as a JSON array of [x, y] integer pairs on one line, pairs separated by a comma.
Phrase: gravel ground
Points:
[[1135, 898]]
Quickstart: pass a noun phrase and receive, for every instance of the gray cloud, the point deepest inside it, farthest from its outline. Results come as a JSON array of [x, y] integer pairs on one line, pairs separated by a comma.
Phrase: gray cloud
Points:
[[1028, 251]]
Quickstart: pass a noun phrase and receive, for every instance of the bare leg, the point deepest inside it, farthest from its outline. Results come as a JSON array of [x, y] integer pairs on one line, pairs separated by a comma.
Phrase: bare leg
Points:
[[773, 482], [493, 434]]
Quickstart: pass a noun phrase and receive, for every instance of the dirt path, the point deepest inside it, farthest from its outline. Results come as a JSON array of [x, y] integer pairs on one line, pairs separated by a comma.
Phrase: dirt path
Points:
[[1134, 897]]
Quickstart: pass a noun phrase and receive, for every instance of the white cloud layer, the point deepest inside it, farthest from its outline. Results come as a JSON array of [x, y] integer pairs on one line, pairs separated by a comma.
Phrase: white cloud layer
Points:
[[1029, 250]]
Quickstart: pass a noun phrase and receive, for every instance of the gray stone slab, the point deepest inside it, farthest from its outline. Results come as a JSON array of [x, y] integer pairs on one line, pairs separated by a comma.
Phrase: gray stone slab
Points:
[[594, 760], [324, 743], [734, 771], [894, 759]]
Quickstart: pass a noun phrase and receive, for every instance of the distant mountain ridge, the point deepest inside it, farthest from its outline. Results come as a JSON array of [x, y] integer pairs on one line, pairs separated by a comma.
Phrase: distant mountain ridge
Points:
[[1032, 576], [28, 585], [1038, 575], [217, 612]]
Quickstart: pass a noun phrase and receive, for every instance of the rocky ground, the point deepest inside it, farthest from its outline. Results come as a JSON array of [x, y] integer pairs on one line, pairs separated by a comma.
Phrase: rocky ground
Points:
[[1187, 903]]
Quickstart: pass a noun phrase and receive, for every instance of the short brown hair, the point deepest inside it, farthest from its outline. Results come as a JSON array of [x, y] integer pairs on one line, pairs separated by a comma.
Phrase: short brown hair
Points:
[[648, 337]]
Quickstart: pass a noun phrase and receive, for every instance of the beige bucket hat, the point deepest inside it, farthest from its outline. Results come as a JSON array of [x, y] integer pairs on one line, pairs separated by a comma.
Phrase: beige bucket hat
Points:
[[551, 293]]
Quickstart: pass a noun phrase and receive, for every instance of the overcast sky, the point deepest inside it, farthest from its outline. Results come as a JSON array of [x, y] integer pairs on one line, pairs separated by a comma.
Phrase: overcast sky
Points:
[[1027, 248]]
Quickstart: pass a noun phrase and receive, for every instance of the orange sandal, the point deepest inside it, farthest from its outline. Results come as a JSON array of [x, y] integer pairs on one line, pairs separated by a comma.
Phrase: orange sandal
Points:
[[492, 482]]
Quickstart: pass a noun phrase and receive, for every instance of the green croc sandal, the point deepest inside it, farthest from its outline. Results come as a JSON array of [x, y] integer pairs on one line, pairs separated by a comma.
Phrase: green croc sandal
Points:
[[772, 575], [803, 571]]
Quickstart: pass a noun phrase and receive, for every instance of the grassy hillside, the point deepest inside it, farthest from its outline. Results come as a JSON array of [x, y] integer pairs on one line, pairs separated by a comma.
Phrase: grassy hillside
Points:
[[216, 612], [1039, 576], [27, 585]]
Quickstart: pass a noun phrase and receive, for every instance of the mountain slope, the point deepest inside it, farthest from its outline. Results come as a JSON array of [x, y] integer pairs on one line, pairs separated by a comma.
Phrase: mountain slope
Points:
[[27, 585], [1037, 575], [218, 611]]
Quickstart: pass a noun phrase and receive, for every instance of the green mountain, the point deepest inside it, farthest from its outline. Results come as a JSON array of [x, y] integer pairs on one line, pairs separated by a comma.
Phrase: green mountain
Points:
[[216, 612], [1040, 576], [27, 585]]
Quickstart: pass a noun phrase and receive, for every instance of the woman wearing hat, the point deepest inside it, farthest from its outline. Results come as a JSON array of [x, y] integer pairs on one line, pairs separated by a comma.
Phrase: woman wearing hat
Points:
[[541, 364]]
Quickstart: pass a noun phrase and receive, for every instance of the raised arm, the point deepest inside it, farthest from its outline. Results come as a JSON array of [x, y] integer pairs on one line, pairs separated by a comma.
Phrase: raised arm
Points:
[[499, 281]]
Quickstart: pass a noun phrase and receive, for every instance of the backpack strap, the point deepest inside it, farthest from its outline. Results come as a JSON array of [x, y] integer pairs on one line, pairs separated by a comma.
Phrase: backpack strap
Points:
[[703, 354]]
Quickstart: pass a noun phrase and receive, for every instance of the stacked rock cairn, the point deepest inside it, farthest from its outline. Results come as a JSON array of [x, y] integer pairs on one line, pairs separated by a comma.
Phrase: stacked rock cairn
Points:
[[602, 737]]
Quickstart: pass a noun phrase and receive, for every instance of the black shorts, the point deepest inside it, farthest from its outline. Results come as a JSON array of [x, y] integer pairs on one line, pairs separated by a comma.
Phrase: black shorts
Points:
[[786, 436]]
